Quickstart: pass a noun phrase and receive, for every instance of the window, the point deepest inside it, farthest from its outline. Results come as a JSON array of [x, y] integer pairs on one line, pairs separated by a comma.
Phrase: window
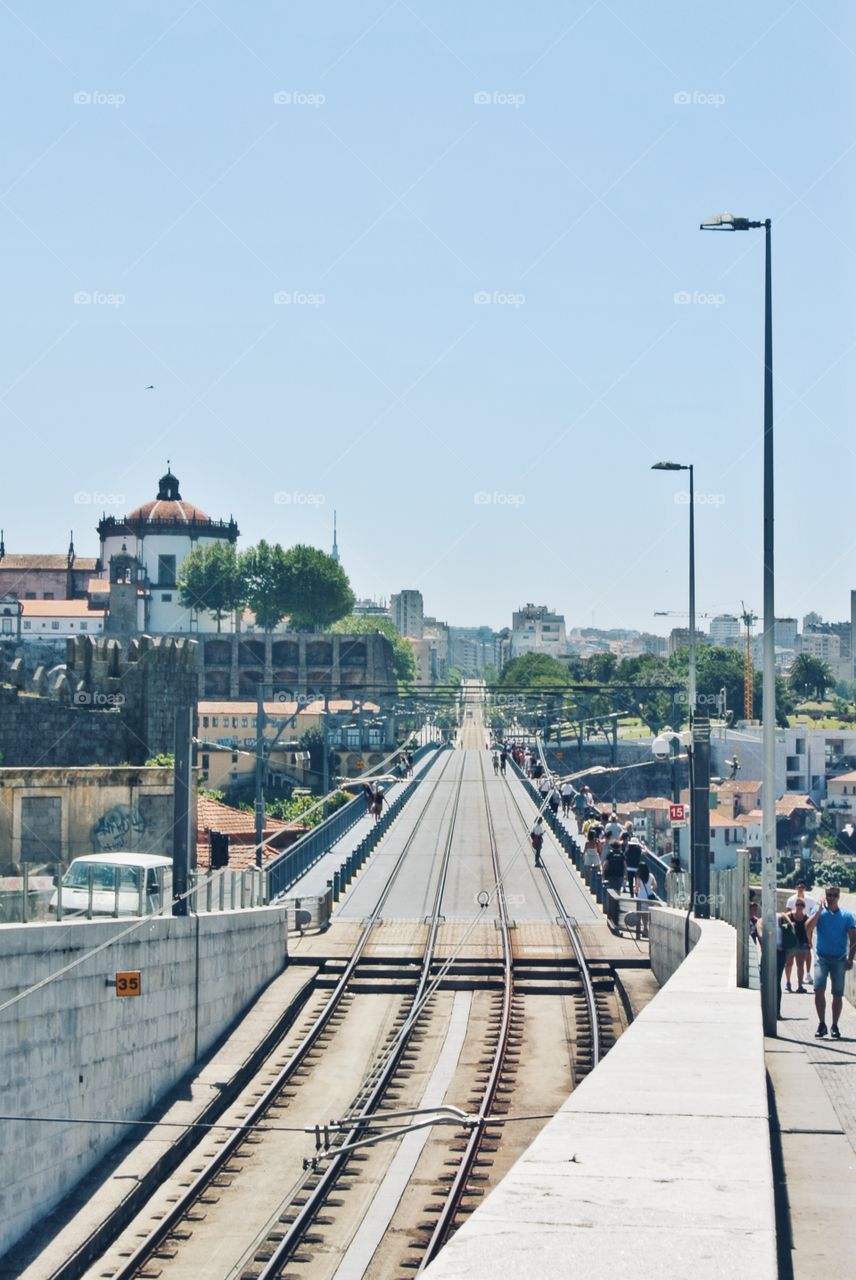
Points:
[[166, 571], [48, 595], [84, 626], [204, 722], [206, 761], [166, 597], [28, 626], [54, 626], [234, 722], [243, 722], [29, 595], [215, 722]]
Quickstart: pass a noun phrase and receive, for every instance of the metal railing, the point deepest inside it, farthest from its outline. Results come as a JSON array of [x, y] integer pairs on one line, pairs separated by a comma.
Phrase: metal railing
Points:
[[285, 871]]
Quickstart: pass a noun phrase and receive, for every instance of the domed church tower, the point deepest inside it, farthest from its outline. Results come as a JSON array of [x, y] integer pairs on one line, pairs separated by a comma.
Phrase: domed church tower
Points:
[[159, 536]]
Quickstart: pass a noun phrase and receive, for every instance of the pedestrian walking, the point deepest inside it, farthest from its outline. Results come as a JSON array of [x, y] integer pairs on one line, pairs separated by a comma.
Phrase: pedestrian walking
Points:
[[613, 828], [580, 808], [544, 788], [536, 836], [554, 800], [495, 762], [833, 934], [379, 798], [567, 790], [368, 792], [632, 858], [503, 758], [591, 849], [802, 952], [786, 946], [613, 867]]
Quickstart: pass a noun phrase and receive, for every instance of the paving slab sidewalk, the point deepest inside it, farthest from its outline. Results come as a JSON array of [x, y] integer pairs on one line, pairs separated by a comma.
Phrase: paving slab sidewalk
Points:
[[814, 1086]]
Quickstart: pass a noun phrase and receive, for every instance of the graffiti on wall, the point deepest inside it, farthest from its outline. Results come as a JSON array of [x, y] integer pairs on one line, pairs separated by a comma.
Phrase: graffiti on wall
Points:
[[120, 827]]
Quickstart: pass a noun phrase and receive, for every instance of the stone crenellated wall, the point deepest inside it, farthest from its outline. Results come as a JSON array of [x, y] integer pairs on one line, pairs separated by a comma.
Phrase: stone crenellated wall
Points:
[[105, 704]]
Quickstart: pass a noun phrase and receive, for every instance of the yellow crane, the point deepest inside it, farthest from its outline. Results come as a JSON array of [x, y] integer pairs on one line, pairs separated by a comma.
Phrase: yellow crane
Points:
[[748, 617]]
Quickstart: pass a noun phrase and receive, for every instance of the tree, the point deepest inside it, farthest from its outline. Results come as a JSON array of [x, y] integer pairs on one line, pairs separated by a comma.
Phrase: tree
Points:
[[317, 590], [265, 579], [810, 675], [402, 654], [835, 871], [533, 671], [210, 580]]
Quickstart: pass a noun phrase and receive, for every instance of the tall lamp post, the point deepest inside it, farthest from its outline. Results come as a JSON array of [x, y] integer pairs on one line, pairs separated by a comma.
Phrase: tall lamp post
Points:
[[691, 682], [727, 222]]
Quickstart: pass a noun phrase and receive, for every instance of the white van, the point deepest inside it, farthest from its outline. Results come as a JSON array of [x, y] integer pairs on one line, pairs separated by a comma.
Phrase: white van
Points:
[[115, 884]]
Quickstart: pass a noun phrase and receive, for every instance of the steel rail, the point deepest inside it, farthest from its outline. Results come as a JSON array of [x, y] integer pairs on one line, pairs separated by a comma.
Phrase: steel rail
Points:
[[378, 1079], [455, 1195], [572, 931], [131, 1265]]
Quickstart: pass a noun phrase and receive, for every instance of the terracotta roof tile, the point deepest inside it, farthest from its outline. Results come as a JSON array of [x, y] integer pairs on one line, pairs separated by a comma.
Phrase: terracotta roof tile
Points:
[[59, 609]]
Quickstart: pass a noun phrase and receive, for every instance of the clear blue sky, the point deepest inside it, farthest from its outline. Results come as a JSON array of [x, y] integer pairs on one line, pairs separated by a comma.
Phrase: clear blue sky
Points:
[[383, 197]]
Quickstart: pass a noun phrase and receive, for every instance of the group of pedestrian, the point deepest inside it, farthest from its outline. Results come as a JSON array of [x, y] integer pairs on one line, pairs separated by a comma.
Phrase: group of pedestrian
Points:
[[812, 924], [615, 851], [375, 798]]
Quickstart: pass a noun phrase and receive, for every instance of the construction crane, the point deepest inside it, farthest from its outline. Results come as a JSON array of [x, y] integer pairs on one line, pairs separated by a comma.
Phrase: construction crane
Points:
[[748, 617]]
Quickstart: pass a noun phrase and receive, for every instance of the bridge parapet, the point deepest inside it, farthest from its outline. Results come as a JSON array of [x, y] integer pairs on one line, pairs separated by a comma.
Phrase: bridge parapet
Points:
[[659, 1162]]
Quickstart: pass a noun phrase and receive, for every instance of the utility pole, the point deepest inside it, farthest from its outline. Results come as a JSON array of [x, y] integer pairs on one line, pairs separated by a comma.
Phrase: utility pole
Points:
[[260, 771], [326, 762], [700, 814], [182, 796]]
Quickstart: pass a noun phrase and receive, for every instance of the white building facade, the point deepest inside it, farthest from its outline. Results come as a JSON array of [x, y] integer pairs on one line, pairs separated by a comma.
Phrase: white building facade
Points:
[[535, 629], [142, 554], [408, 613]]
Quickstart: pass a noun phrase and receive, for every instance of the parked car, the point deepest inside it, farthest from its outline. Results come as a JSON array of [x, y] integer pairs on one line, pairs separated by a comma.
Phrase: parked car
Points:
[[109, 884]]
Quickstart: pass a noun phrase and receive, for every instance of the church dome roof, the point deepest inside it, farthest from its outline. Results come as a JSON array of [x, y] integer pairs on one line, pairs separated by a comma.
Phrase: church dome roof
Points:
[[168, 507]]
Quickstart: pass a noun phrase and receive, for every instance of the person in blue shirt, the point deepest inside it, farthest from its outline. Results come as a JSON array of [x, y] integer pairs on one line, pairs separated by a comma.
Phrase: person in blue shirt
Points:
[[833, 933]]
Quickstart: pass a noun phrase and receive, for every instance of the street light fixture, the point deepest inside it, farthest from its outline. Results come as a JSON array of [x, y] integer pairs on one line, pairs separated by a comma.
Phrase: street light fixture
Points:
[[691, 683], [728, 222]]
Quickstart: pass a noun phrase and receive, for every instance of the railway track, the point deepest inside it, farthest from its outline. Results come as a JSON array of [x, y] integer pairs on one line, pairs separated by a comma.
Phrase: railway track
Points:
[[166, 1235], [398, 1059]]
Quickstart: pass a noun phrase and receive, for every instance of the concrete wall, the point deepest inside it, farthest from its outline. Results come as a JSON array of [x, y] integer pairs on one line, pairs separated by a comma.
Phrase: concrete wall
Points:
[[658, 1165], [668, 940], [73, 1049], [96, 810]]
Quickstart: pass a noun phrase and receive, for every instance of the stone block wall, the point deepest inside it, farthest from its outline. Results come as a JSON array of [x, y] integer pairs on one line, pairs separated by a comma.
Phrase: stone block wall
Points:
[[104, 704], [74, 1049]]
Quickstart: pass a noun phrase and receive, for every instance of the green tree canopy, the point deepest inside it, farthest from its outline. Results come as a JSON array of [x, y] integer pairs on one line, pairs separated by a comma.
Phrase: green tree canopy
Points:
[[402, 654], [534, 671], [810, 676], [265, 579], [210, 580], [316, 589]]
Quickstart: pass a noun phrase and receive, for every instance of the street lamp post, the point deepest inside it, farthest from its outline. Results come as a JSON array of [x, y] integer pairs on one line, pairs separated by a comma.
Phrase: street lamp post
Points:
[[727, 222], [691, 681]]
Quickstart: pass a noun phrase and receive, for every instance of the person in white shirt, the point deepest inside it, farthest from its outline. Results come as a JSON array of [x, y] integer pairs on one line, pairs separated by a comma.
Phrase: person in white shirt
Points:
[[810, 902], [613, 829]]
